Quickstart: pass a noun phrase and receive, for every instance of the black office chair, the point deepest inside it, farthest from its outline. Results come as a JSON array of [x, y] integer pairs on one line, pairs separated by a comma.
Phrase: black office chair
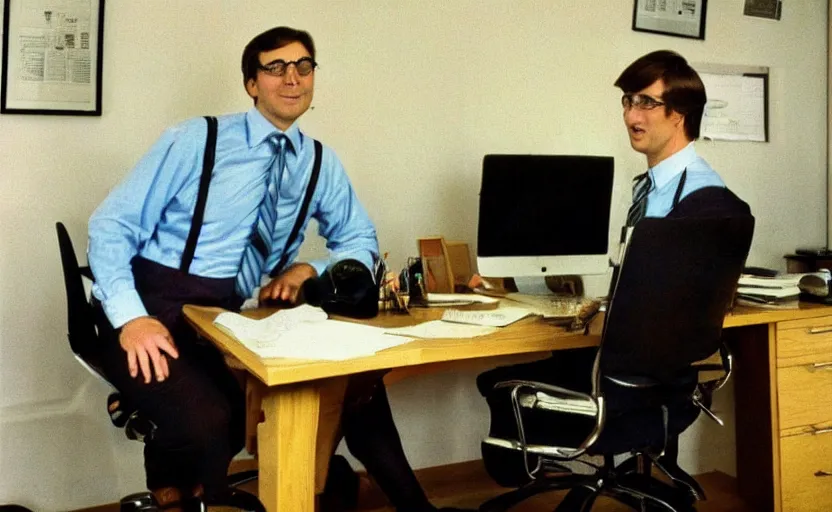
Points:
[[642, 387], [83, 338]]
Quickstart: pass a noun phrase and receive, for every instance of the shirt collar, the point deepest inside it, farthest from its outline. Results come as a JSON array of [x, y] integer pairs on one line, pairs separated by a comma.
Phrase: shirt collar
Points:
[[672, 166], [261, 129]]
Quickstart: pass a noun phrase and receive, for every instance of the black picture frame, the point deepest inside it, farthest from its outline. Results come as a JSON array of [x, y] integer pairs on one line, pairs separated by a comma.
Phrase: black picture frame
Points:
[[649, 17], [52, 60]]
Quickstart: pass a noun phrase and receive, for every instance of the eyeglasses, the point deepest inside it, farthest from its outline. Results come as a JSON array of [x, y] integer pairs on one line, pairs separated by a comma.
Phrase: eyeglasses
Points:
[[303, 66], [640, 102]]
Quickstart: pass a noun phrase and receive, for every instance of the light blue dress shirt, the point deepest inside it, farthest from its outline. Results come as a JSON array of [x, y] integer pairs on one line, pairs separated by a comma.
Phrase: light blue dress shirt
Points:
[[666, 176], [149, 214]]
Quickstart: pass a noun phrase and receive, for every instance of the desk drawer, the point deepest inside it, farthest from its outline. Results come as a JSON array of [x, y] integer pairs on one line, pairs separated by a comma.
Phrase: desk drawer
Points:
[[804, 395], [806, 473], [804, 341]]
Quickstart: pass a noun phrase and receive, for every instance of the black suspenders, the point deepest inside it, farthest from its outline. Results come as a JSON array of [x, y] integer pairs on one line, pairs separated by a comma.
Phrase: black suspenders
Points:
[[202, 197], [680, 188], [204, 182], [310, 188]]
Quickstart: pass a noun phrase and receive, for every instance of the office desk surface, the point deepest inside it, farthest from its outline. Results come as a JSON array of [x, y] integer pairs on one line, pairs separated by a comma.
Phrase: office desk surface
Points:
[[743, 315], [529, 335], [301, 400], [526, 336]]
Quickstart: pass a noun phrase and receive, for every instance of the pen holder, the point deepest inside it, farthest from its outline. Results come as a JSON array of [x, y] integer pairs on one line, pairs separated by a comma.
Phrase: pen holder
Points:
[[390, 295]]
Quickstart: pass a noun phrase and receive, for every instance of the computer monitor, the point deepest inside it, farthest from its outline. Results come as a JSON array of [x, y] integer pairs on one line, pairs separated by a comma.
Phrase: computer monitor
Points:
[[543, 215]]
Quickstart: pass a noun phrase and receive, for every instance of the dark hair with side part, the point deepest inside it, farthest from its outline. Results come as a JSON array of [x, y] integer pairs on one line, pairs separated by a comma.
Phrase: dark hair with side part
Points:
[[269, 40], [684, 90]]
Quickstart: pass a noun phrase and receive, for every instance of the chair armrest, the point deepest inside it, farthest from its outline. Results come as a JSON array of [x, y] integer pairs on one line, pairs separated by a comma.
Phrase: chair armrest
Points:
[[537, 395], [726, 366], [552, 398]]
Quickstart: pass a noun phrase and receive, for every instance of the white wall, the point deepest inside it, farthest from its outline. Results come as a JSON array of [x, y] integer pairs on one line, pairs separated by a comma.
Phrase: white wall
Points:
[[411, 95]]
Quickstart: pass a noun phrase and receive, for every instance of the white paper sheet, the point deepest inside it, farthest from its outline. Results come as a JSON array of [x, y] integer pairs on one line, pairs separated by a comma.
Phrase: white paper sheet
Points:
[[468, 298], [495, 318], [440, 329], [305, 332], [735, 108]]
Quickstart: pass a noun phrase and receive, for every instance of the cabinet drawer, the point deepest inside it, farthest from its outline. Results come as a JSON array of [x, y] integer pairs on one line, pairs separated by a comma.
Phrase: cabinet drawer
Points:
[[806, 473], [804, 395], [804, 341]]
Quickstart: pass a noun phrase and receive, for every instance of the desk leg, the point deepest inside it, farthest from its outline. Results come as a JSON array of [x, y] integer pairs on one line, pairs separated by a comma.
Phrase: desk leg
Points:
[[287, 440], [755, 399]]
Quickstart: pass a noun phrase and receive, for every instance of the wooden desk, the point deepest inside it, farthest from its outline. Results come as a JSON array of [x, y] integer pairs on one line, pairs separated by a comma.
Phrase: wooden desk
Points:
[[302, 399]]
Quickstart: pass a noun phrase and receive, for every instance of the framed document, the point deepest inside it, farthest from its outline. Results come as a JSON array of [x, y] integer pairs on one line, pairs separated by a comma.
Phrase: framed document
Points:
[[737, 107], [681, 18], [52, 57]]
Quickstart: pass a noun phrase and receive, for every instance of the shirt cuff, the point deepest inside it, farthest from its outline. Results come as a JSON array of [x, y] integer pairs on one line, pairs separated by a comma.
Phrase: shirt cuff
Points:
[[123, 307]]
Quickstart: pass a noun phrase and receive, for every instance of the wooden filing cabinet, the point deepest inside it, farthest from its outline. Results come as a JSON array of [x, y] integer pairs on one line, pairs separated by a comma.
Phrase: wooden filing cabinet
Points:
[[803, 382]]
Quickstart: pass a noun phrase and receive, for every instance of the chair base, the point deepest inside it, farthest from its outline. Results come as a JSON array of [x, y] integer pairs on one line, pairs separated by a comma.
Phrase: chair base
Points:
[[235, 498], [629, 483]]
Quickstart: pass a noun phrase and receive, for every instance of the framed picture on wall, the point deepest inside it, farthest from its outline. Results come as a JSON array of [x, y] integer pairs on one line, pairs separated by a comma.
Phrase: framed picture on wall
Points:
[[51, 59], [680, 18]]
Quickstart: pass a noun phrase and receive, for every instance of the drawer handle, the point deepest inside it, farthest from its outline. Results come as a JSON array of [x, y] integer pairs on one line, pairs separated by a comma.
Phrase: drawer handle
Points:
[[818, 431], [820, 330], [819, 366], [822, 473]]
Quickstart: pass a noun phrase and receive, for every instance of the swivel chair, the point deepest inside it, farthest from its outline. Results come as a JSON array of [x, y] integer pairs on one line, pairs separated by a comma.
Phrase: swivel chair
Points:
[[640, 390], [84, 341]]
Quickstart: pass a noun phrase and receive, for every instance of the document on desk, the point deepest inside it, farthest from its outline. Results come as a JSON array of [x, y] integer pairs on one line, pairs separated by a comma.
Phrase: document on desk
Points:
[[440, 329], [458, 299], [500, 317], [305, 332]]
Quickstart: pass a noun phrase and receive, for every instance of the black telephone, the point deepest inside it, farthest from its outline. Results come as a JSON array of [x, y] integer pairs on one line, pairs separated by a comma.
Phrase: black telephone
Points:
[[347, 288]]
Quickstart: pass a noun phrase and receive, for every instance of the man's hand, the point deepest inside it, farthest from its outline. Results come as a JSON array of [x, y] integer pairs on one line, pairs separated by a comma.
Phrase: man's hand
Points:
[[287, 285], [144, 339]]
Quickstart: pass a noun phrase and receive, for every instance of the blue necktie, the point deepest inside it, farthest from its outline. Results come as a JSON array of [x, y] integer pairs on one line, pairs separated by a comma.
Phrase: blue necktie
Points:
[[641, 187], [260, 246]]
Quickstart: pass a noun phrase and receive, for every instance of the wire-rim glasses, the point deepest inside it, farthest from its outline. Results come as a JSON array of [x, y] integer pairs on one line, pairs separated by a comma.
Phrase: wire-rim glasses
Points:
[[640, 102]]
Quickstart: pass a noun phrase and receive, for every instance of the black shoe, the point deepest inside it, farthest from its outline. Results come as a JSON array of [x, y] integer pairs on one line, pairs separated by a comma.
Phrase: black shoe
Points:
[[341, 489]]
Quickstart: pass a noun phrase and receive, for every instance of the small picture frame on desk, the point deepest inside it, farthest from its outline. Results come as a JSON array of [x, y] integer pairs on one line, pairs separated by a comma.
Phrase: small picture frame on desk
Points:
[[52, 54], [679, 18]]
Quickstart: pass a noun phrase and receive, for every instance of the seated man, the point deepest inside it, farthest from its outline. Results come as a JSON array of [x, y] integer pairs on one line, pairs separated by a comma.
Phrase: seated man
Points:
[[663, 102], [161, 240]]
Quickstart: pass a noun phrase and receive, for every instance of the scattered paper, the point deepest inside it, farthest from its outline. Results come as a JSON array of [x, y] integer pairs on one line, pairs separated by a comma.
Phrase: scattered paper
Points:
[[305, 332], [440, 329], [494, 318], [461, 297]]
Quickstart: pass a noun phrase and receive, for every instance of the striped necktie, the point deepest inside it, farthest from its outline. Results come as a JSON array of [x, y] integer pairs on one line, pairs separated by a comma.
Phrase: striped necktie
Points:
[[641, 187], [260, 244]]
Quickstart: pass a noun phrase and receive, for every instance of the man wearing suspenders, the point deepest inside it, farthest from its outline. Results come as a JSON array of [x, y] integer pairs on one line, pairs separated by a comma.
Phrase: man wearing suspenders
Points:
[[216, 207]]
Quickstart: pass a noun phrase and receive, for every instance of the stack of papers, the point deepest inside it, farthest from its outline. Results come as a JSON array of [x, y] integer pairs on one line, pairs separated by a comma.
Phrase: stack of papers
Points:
[[783, 290], [778, 288], [305, 332]]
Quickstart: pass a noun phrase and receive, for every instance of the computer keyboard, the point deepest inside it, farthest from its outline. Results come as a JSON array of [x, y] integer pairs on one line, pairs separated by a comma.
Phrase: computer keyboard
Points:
[[551, 306]]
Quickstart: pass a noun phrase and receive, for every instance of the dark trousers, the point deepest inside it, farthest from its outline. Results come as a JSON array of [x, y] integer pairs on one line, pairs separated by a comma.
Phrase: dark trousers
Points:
[[199, 409]]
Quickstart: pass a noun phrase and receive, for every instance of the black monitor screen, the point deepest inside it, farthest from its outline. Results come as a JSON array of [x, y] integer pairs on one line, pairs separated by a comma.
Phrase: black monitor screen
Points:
[[552, 205]]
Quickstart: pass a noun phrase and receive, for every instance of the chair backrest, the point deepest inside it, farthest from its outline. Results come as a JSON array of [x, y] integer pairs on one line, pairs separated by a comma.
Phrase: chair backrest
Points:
[[676, 282], [82, 334]]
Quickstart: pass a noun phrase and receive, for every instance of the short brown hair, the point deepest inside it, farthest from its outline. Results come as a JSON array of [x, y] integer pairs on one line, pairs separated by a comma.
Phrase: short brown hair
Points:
[[684, 90], [269, 40]]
